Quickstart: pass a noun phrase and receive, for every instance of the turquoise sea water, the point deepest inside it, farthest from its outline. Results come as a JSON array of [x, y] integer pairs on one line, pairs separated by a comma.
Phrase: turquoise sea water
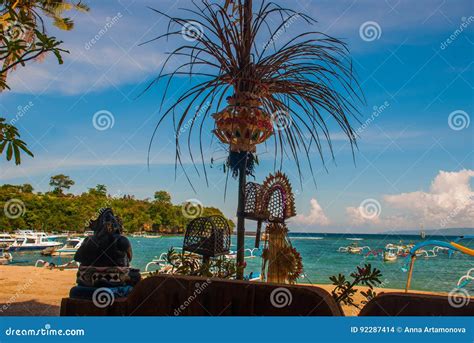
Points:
[[321, 259]]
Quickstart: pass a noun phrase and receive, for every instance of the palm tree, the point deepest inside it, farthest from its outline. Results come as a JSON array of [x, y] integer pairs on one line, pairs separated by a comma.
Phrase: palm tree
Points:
[[305, 83]]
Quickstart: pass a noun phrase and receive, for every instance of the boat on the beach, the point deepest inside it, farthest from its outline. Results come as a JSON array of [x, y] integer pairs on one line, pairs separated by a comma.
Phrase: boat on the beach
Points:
[[69, 248], [5, 257], [32, 241]]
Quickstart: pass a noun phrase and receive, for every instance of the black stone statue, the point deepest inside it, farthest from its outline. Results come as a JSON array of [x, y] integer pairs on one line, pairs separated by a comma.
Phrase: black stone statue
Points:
[[105, 256], [107, 247]]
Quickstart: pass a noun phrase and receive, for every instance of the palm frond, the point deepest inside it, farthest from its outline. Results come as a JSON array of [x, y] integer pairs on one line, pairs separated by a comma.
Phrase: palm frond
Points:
[[311, 77]]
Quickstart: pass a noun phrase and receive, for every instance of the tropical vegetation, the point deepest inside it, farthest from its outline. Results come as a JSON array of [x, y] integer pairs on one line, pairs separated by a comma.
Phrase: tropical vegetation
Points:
[[23, 38], [60, 211]]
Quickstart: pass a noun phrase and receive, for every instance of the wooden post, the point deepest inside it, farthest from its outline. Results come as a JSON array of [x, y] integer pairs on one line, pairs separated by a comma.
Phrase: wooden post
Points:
[[243, 87], [410, 273], [259, 234], [241, 219]]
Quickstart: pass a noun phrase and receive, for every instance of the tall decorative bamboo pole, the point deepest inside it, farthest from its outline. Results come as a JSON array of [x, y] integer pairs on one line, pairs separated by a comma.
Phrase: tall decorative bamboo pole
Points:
[[243, 87]]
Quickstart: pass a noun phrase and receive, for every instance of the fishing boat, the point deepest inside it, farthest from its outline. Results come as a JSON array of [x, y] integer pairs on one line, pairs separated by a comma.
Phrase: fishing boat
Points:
[[33, 241], [5, 257], [390, 255]]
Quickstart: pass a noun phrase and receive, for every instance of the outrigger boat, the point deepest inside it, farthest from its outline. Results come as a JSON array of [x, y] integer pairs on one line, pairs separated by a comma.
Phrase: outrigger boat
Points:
[[390, 255], [354, 248]]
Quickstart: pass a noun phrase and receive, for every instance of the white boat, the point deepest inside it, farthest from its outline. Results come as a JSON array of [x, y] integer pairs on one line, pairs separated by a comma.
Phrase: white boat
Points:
[[390, 255], [6, 240], [33, 241], [70, 248]]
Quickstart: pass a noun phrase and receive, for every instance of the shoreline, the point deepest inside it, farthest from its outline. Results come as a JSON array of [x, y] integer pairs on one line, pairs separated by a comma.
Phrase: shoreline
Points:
[[32, 291]]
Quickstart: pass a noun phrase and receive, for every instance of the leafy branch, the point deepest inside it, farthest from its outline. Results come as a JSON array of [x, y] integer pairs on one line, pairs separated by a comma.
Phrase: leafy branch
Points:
[[345, 290], [10, 140]]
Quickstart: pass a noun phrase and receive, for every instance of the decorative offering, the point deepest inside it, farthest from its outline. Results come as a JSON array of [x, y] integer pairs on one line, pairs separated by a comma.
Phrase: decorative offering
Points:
[[208, 236]]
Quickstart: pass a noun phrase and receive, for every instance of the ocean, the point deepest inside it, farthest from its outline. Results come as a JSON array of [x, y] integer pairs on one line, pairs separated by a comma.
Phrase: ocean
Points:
[[321, 259]]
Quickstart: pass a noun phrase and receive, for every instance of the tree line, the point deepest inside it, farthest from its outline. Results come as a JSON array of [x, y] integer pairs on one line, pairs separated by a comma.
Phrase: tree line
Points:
[[57, 210]]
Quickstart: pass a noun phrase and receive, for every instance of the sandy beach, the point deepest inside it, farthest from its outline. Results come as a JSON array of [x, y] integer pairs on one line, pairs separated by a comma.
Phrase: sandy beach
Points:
[[31, 291]]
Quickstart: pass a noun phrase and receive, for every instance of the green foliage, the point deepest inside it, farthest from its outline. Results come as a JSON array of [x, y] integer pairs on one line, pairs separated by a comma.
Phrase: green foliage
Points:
[[11, 143], [55, 211], [60, 182], [23, 35], [163, 197], [189, 264], [344, 291]]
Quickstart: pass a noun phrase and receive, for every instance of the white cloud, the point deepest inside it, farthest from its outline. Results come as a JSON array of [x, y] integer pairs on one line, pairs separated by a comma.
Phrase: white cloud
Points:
[[357, 217], [448, 203], [316, 216]]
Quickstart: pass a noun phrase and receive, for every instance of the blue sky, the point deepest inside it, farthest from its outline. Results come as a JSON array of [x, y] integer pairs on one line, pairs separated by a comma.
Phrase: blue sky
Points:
[[412, 167]]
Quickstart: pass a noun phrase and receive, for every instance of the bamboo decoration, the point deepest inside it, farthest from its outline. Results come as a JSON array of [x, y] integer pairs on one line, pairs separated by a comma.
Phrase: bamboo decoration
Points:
[[281, 262], [306, 83]]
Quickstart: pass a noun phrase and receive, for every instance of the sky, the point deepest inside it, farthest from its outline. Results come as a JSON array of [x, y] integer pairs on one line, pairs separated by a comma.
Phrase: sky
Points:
[[414, 165]]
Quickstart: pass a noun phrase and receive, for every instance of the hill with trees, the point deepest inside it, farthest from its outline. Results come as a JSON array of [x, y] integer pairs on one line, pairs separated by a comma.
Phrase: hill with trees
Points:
[[57, 211]]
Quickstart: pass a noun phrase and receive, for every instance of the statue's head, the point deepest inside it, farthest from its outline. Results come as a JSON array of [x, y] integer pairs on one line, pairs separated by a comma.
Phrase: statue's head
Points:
[[106, 223]]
